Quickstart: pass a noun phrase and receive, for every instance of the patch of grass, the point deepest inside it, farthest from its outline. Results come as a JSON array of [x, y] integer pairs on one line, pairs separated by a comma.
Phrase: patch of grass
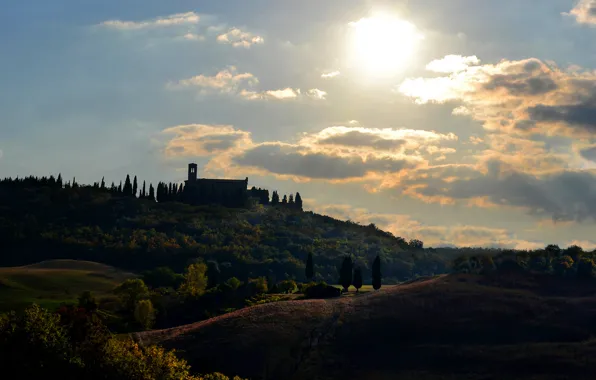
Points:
[[51, 283]]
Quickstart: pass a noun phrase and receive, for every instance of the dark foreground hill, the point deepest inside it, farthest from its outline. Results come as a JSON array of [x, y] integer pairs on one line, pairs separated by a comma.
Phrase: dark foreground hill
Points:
[[450, 327]]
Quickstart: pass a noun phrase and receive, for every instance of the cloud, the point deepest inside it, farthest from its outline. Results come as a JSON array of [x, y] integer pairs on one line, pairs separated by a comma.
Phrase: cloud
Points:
[[516, 97], [563, 194], [434, 235], [589, 153], [334, 154], [203, 140], [178, 19], [225, 81], [283, 94], [193, 37], [452, 64], [387, 139], [230, 81], [584, 12], [330, 75], [315, 93], [290, 160], [238, 38]]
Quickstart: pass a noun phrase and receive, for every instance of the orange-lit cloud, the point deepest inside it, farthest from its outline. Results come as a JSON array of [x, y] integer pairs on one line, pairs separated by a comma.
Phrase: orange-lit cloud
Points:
[[238, 38]]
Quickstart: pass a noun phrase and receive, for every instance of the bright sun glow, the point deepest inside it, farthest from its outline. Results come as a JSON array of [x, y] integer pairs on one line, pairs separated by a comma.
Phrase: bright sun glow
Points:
[[382, 45]]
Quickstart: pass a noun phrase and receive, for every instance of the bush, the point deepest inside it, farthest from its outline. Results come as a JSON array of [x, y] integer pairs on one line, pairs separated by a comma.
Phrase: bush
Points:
[[287, 286], [322, 290]]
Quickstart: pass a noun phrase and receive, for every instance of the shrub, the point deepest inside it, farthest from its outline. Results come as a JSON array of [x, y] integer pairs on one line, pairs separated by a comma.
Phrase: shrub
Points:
[[287, 286], [322, 290]]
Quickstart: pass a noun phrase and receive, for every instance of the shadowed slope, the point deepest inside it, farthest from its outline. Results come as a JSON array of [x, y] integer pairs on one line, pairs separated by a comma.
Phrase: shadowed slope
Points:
[[449, 327]]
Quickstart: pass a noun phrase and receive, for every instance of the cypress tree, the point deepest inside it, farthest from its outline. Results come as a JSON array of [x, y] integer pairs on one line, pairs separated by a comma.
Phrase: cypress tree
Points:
[[151, 192], [120, 188], [135, 187], [285, 200], [291, 200], [113, 188], [143, 192], [345, 273], [127, 186], [103, 183], [309, 272], [357, 282], [59, 180], [274, 199], [74, 183], [170, 191], [298, 201], [376, 273]]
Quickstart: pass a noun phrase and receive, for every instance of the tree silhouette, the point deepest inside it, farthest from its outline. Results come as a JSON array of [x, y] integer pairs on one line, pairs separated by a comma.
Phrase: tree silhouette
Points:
[[376, 273], [357, 282], [291, 200], [345, 273], [59, 180], [74, 183], [298, 202], [309, 272], [120, 188], [103, 183], [135, 187], [274, 199], [285, 200], [151, 192], [127, 186], [143, 192]]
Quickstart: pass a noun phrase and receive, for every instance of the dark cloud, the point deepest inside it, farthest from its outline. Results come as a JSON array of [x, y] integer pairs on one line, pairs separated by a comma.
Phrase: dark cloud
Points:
[[216, 143], [589, 153], [581, 115], [286, 160], [520, 84], [360, 139], [566, 195]]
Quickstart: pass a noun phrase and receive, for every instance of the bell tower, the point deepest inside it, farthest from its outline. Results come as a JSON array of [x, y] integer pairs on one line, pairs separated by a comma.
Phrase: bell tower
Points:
[[192, 172]]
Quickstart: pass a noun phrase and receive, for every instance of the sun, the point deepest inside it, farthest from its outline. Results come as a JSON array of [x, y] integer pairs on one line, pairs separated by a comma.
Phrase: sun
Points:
[[382, 45]]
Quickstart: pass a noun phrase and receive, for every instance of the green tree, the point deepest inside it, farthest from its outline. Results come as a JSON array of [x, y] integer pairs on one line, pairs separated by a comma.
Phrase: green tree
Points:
[[563, 265], [261, 285], [87, 301], [309, 271], [195, 279], [144, 314], [585, 268], [131, 291], [345, 273], [233, 283], [357, 282], [376, 273]]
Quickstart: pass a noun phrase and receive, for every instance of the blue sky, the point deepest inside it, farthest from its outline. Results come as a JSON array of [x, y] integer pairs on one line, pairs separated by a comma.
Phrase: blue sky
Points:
[[456, 122]]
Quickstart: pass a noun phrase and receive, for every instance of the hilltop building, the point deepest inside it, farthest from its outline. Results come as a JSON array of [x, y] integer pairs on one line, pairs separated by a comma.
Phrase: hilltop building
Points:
[[203, 191]]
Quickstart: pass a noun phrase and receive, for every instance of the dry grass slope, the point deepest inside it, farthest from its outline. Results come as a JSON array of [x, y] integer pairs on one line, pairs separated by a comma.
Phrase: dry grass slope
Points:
[[451, 327]]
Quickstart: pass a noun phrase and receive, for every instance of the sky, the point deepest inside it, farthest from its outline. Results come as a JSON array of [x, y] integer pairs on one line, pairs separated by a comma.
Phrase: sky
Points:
[[459, 123]]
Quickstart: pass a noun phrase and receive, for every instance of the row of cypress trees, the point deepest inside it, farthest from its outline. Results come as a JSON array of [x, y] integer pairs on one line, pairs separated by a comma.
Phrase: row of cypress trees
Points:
[[348, 275]]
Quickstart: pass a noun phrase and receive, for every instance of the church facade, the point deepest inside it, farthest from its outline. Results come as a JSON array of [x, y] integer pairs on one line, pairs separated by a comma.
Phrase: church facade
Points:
[[204, 191]]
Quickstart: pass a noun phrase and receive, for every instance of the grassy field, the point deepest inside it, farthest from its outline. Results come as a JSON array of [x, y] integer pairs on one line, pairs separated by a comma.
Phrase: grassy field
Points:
[[53, 282]]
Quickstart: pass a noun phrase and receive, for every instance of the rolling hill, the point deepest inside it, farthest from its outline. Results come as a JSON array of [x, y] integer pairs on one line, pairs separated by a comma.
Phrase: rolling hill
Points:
[[448, 327], [52, 282]]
